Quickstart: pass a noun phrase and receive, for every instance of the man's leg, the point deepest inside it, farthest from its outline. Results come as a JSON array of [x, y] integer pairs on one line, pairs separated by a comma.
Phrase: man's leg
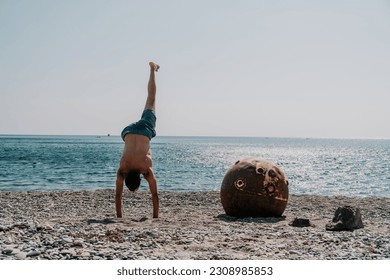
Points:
[[151, 100]]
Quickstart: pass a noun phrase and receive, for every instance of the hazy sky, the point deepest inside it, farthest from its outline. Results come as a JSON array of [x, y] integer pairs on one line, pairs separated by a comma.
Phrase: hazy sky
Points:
[[228, 68]]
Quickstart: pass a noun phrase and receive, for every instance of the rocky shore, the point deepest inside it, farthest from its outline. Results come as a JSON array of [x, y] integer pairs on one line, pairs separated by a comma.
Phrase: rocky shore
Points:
[[192, 225]]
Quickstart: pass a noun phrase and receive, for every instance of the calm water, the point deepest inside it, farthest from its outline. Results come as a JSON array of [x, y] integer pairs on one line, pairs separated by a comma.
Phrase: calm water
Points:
[[313, 166]]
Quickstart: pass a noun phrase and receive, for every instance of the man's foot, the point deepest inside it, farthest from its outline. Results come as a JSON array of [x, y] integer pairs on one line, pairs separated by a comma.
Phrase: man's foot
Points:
[[154, 66]]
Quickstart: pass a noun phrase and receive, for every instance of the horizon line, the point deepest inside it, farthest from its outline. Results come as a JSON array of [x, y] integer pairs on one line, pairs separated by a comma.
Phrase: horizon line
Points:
[[195, 136]]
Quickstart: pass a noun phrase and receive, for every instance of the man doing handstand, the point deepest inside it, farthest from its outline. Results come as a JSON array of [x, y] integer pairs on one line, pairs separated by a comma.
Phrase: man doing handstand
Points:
[[136, 158]]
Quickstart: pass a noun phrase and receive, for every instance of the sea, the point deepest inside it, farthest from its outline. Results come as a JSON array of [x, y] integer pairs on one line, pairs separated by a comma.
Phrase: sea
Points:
[[346, 167]]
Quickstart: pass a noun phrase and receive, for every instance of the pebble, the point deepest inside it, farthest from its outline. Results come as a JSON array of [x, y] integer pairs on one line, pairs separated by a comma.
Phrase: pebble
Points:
[[85, 255], [33, 253], [7, 251], [292, 252], [65, 252], [21, 255], [67, 240], [29, 233]]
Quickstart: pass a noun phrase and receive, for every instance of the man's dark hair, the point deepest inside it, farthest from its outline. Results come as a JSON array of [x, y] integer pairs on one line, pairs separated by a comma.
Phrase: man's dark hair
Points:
[[133, 181]]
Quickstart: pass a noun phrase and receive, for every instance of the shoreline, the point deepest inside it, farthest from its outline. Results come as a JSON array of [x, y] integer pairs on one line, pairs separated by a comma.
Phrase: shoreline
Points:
[[192, 225], [144, 188]]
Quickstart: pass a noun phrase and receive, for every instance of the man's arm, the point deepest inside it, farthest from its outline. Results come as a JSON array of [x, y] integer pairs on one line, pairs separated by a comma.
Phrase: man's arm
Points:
[[118, 194], [153, 189]]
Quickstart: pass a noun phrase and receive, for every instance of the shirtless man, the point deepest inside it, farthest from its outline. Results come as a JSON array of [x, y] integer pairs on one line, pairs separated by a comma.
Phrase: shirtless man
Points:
[[136, 158]]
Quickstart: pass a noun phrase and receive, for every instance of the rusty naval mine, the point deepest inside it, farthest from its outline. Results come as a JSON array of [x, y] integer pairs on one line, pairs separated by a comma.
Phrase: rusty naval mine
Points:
[[254, 188]]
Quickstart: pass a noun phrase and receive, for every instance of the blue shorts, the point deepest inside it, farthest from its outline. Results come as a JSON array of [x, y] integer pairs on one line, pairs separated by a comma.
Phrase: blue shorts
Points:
[[145, 126]]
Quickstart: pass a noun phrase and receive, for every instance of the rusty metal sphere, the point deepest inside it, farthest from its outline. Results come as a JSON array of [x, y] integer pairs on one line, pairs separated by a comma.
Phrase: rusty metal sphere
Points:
[[254, 188]]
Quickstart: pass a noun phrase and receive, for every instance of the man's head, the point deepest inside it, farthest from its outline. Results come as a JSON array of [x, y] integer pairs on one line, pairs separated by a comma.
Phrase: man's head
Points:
[[133, 181]]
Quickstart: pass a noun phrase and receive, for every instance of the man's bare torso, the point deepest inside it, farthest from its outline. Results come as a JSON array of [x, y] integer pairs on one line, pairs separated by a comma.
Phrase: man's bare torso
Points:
[[136, 155]]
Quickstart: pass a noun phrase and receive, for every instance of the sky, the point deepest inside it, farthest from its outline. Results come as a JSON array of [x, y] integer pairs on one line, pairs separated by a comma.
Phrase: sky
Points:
[[307, 69]]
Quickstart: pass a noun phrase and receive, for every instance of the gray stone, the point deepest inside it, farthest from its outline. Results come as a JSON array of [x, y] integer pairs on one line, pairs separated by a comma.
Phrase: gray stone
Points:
[[7, 251], [20, 255], [33, 253], [85, 255], [65, 252], [78, 242], [67, 240], [345, 218]]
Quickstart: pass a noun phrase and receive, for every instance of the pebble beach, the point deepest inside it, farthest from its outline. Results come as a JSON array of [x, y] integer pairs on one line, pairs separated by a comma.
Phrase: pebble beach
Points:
[[81, 225]]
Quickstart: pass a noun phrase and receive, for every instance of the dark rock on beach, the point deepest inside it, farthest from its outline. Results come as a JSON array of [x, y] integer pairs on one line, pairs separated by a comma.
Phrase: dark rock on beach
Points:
[[346, 218], [300, 222]]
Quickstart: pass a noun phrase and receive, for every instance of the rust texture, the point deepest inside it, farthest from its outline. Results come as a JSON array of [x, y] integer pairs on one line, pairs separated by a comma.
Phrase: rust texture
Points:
[[254, 188]]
